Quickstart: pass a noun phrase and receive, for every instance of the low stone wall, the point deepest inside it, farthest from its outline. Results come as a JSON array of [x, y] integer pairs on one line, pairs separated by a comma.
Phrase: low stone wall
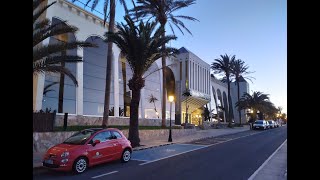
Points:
[[45, 140], [91, 120]]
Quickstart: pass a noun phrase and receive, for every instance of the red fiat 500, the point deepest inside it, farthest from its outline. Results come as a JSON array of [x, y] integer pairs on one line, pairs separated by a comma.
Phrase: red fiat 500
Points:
[[87, 148]]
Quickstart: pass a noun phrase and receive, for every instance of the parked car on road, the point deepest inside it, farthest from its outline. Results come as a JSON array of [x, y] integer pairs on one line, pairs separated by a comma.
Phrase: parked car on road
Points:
[[276, 124], [268, 125], [260, 124], [271, 124], [87, 148]]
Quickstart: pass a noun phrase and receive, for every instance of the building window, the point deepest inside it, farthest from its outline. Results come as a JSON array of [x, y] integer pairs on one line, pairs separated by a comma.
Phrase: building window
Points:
[[94, 79], [60, 91]]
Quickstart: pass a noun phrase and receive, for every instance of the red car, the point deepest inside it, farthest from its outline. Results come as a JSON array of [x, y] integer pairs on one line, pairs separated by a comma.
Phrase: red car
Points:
[[87, 148]]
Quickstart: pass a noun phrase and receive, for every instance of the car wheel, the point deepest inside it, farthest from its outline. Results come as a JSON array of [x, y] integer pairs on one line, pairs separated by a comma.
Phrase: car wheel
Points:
[[126, 156], [80, 165]]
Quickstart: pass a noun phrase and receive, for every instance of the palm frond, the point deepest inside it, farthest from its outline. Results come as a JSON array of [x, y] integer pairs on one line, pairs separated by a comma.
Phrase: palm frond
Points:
[[37, 10], [140, 44], [56, 69], [46, 88]]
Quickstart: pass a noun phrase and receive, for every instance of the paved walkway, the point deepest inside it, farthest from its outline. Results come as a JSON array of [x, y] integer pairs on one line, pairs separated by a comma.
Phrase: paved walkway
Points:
[[275, 167]]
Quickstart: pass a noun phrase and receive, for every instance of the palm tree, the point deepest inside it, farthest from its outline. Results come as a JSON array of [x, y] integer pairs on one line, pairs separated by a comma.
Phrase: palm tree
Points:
[[270, 110], [141, 45], [256, 102], [52, 57], [238, 70], [223, 66], [112, 12], [279, 108], [163, 11], [186, 94], [153, 99]]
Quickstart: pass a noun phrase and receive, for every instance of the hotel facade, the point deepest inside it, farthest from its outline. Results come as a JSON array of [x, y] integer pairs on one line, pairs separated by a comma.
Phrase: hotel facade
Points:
[[86, 101]]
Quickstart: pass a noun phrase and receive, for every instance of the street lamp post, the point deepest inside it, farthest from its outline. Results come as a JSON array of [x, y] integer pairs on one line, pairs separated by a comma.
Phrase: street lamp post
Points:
[[171, 98]]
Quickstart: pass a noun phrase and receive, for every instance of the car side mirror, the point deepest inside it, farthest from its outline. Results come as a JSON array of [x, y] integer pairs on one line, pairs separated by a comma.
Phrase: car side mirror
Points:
[[97, 141]]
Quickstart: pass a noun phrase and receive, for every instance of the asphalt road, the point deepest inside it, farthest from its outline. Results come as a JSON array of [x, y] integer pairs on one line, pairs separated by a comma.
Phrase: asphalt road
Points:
[[229, 157]]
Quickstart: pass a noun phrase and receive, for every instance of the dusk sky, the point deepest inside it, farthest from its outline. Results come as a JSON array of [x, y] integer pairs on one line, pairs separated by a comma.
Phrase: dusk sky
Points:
[[253, 30]]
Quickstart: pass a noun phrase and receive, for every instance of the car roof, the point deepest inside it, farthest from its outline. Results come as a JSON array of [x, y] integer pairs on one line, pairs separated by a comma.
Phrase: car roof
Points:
[[99, 129]]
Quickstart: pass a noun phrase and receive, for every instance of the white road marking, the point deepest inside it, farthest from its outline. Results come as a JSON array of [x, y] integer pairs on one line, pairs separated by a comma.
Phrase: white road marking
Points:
[[203, 146], [138, 159], [104, 174], [256, 172], [172, 156]]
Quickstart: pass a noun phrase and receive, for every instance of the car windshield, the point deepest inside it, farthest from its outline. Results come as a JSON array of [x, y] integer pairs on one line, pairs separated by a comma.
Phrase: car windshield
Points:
[[259, 122], [79, 137]]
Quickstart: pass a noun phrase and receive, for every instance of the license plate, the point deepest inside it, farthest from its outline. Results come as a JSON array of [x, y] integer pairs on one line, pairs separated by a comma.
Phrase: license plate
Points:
[[49, 161]]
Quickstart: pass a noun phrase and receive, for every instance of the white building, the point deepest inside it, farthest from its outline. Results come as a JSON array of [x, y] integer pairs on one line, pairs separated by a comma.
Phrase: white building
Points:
[[86, 101]]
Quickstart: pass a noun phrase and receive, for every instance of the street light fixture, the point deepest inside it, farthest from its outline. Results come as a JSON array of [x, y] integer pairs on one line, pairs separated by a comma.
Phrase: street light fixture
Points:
[[171, 98]]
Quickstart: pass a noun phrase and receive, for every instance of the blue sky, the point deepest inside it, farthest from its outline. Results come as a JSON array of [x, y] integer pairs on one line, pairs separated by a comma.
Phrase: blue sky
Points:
[[253, 30]]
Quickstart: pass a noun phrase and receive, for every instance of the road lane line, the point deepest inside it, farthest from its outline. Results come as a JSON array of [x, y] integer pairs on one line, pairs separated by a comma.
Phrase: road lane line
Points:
[[172, 156], [138, 159], [104, 174], [265, 162], [192, 144], [203, 146]]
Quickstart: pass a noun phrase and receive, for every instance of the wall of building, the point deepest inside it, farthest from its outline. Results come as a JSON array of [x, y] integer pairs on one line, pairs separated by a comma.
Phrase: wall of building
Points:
[[222, 87], [79, 120], [244, 88]]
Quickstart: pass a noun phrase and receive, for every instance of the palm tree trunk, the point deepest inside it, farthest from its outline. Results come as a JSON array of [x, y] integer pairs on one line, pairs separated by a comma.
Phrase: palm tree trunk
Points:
[[238, 88], [134, 119], [61, 87], [229, 102], [164, 90], [135, 84], [109, 67]]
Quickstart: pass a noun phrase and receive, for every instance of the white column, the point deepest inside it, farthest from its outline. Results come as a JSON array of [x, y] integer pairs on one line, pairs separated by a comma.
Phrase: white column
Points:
[[142, 102], [38, 85], [161, 82], [205, 81], [189, 73], [79, 89], [116, 54], [196, 81], [209, 80], [202, 79], [191, 76]]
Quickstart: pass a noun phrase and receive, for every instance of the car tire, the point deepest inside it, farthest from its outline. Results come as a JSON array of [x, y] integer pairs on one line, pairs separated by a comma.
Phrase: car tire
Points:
[[126, 156], [80, 165]]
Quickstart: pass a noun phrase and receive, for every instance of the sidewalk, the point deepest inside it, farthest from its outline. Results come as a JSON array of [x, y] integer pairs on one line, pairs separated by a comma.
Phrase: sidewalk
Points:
[[201, 134], [275, 167]]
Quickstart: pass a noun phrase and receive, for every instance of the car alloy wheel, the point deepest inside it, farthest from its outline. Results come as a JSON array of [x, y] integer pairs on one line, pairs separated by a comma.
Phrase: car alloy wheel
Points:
[[80, 165], [126, 155]]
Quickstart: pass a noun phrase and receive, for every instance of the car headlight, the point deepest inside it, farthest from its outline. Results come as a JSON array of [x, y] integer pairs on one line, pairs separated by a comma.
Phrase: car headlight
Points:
[[64, 161], [65, 154]]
